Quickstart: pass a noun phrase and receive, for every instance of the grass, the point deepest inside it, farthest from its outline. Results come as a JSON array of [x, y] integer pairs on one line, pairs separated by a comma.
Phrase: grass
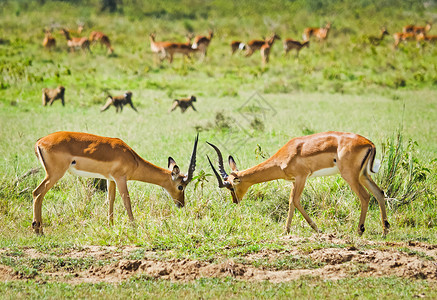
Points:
[[385, 95], [149, 288]]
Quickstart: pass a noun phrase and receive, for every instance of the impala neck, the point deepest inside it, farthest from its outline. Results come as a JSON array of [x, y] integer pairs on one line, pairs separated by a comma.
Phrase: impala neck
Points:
[[265, 171], [148, 172]]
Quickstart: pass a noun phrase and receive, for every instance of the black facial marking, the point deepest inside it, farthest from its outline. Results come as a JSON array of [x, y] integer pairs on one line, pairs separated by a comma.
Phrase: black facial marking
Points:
[[362, 228], [387, 224]]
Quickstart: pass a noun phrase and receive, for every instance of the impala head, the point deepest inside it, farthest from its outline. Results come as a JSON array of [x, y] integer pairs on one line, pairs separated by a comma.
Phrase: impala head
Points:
[[65, 32], [232, 181], [273, 38], [384, 31], [179, 181]]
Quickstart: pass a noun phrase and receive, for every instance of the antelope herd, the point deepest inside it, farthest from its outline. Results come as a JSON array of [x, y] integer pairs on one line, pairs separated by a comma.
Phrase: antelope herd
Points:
[[200, 43], [321, 154]]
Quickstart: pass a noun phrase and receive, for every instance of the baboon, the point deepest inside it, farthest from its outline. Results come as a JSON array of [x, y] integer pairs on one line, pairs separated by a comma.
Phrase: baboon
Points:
[[50, 95], [183, 103], [119, 102]]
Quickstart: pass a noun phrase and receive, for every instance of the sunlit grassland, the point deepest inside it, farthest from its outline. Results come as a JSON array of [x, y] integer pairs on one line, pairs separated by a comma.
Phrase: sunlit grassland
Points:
[[342, 85], [148, 288]]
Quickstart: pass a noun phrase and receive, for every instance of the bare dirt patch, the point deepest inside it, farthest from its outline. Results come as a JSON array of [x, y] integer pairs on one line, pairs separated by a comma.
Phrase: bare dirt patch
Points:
[[414, 260]]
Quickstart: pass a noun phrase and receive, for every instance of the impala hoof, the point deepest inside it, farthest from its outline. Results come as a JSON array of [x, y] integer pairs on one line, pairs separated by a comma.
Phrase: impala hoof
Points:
[[361, 230], [36, 226]]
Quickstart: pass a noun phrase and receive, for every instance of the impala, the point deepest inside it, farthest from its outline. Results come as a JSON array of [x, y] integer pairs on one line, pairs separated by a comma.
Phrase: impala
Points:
[[417, 29], [319, 154], [97, 36], [76, 42], [95, 156], [290, 44], [235, 45], [265, 49], [201, 43], [49, 41], [376, 40], [402, 37], [421, 37], [254, 45], [319, 33], [168, 49]]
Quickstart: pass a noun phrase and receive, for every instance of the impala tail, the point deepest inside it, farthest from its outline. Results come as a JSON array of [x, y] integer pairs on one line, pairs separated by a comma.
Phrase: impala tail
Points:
[[373, 164]]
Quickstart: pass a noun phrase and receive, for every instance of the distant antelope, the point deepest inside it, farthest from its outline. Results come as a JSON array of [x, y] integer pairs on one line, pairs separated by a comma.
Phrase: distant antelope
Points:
[[254, 45], [76, 42], [426, 38], [201, 43], [417, 29], [235, 45], [168, 49], [97, 36], [290, 44], [320, 33], [376, 40], [49, 41], [402, 37]]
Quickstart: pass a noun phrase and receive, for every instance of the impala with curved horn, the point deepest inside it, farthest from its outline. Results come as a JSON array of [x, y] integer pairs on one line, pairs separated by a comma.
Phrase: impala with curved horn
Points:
[[319, 154], [95, 156]]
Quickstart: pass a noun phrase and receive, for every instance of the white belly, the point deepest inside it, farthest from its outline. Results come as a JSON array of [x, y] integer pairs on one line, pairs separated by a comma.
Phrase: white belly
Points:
[[86, 174], [325, 172]]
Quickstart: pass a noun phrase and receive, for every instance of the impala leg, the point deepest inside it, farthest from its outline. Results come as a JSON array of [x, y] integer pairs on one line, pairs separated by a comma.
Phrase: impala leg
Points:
[[379, 195], [291, 209], [362, 194], [122, 189], [38, 196], [111, 199], [299, 184]]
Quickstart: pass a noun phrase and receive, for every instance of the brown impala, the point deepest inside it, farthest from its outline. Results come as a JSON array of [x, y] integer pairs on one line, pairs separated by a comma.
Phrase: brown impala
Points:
[[112, 159], [320, 154]]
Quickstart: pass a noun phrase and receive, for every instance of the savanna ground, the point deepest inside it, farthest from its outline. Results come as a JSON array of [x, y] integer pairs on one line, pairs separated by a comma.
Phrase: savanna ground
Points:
[[213, 248]]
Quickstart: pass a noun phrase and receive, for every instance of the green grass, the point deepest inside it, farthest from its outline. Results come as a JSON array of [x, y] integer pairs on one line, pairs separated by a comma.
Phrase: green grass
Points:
[[340, 85], [149, 288]]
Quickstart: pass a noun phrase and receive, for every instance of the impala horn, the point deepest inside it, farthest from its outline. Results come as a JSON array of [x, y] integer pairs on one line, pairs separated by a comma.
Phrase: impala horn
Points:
[[223, 173], [192, 166]]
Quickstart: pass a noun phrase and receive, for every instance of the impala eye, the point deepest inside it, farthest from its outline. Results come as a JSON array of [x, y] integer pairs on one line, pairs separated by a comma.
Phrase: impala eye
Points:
[[180, 187]]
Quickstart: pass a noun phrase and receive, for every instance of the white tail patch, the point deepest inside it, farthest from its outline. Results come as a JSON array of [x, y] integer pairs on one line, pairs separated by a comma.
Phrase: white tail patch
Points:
[[242, 46], [194, 46], [375, 167]]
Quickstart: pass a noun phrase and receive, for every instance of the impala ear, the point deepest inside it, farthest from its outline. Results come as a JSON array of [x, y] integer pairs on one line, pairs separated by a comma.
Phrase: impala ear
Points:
[[173, 167], [171, 162], [232, 164]]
